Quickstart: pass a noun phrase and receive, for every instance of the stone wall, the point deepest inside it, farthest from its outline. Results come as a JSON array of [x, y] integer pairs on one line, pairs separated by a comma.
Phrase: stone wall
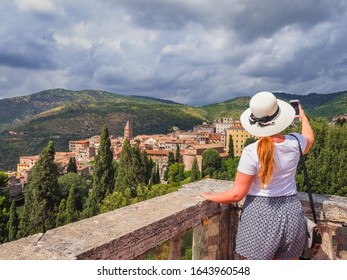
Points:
[[131, 231]]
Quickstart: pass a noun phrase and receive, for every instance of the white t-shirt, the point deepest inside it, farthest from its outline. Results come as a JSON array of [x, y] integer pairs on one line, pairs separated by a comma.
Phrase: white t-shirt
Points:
[[287, 156]]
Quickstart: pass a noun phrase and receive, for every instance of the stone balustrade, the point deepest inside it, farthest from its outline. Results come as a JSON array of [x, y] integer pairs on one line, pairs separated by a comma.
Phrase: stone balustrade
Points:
[[129, 232]]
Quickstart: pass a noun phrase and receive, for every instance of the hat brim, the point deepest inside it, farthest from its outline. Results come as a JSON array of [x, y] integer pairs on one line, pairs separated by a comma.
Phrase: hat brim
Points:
[[284, 118]]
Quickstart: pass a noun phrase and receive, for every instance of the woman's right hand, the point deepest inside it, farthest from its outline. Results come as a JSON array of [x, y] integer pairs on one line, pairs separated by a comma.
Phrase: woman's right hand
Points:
[[302, 114], [306, 129]]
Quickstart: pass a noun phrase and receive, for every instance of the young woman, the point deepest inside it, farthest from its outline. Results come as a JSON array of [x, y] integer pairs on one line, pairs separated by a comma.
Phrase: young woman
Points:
[[272, 224]]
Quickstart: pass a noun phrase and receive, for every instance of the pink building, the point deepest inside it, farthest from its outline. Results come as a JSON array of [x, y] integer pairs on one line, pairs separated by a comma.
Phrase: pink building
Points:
[[195, 151]]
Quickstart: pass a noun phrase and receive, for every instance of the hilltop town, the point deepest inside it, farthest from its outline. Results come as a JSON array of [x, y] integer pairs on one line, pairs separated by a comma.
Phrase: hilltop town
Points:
[[191, 145]]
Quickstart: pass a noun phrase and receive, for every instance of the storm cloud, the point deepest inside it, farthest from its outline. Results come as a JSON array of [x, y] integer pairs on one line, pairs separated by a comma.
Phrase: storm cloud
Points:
[[195, 52]]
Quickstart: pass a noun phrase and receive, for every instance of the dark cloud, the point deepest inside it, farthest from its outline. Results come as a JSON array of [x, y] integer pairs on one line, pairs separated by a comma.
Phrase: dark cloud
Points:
[[155, 14], [256, 19], [32, 53], [194, 52]]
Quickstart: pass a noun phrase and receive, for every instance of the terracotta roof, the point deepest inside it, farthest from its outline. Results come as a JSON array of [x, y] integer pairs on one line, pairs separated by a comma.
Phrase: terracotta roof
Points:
[[65, 153], [175, 142], [82, 142], [215, 137], [189, 133], [157, 152], [206, 146], [31, 157]]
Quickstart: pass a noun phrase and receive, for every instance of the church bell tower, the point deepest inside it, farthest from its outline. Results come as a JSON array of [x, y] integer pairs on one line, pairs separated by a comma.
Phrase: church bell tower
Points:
[[128, 132]]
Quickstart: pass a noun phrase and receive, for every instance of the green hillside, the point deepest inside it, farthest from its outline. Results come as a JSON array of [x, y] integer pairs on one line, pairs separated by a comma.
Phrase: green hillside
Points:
[[230, 108], [320, 105], [64, 115], [87, 120], [24, 107], [315, 105]]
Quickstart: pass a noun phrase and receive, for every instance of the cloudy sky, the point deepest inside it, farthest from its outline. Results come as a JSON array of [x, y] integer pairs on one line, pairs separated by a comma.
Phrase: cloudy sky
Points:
[[195, 52]]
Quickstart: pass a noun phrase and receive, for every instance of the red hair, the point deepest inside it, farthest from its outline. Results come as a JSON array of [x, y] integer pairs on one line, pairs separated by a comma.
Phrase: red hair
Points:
[[266, 154]]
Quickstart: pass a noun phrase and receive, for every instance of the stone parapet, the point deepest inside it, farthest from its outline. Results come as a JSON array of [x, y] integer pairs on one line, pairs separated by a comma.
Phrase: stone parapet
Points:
[[131, 231]]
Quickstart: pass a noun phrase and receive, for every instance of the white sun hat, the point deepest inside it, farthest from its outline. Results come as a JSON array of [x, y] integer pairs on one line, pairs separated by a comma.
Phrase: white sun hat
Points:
[[267, 115]]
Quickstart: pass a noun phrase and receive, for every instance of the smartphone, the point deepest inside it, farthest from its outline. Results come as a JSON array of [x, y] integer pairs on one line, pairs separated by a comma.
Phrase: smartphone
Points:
[[295, 104]]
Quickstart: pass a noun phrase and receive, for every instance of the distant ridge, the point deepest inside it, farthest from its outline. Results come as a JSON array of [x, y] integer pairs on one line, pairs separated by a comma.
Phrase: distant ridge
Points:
[[156, 99], [50, 101], [315, 105], [91, 106], [65, 115]]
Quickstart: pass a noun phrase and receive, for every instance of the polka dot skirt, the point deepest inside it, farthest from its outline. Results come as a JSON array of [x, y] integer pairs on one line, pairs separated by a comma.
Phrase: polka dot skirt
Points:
[[271, 228]]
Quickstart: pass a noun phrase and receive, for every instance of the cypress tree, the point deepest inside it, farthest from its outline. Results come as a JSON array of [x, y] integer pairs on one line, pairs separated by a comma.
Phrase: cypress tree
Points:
[[157, 174], [72, 166], [135, 167], [155, 177], [4, 207], [13, 222], [71, 207], [125, 176], [24, 229], [195, 175], [61, 217], [231, 153], [103, 174], [115, 168], [180, 176], [43, 194], [138, 166], [178, 154], [4, 214], [148, 165], [170, 161]]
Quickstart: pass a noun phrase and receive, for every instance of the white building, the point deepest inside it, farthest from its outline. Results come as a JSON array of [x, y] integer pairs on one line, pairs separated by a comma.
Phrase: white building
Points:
[[222, 124]]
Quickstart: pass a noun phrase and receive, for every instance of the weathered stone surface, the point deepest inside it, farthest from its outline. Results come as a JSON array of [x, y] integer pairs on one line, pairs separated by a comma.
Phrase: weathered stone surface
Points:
[[129, 232], [330, 208], [124, 233]]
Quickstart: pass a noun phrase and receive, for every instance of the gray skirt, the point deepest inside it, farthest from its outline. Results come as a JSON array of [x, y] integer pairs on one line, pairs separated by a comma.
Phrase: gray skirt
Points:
[[271, 228]]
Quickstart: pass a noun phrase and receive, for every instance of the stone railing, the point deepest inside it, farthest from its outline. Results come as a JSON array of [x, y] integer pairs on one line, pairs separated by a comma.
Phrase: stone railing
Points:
[[129, 232]]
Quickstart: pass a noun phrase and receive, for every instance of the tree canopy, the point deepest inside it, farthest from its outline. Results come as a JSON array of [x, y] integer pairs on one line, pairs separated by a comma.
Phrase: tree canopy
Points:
[[103, 174], [326, 161], [42, 195], [211, 161]]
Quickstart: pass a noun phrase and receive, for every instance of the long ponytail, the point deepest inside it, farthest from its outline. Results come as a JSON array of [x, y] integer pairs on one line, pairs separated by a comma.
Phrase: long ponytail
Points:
[[266, 154]]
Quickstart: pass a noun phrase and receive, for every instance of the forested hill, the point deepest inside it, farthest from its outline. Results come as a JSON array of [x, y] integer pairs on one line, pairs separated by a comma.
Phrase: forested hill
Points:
[[65, 115], [55, 101], [63, 111], [315, 105]]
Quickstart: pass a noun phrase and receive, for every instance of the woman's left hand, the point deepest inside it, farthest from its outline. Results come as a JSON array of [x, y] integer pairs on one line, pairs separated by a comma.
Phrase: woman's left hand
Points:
[[207, 195]]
